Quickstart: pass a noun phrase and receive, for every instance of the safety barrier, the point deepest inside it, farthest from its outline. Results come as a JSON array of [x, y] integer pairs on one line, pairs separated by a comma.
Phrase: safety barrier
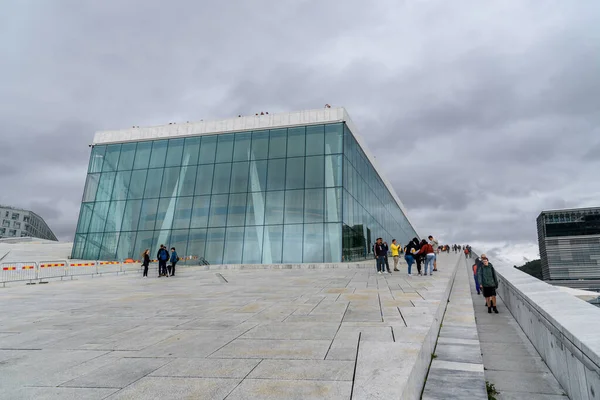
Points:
[[81, 268], [51, 269]]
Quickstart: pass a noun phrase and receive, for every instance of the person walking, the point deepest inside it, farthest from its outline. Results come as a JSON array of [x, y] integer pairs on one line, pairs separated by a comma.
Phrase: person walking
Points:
[[387, 263], [486, 274], [418, 257], [427, 251], [174, 259], [146, 262], [475, 267], [379, 256], [395, 254], [409, 255], [162, 257], [434, 243]]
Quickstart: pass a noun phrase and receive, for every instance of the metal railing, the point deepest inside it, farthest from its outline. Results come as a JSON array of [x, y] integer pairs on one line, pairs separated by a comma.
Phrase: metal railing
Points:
[[41, 271]]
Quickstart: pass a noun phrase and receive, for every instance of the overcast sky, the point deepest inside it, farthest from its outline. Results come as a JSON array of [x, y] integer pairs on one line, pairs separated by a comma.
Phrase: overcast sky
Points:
[[481, 113]]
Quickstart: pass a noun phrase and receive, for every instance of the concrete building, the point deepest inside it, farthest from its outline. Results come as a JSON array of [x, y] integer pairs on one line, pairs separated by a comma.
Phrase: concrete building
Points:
[[19, 223], [569, 242], [297, 187]]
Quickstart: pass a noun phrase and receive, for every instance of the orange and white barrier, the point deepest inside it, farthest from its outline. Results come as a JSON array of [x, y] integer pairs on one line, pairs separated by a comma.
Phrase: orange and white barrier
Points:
[[22, 271], [52, 269]]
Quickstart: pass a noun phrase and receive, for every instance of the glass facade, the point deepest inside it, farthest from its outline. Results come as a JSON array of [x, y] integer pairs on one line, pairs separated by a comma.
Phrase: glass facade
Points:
[[286, 195], [569, 242]]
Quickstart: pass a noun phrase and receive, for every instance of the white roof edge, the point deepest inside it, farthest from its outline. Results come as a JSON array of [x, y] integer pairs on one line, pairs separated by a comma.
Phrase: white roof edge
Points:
[[247, 123]]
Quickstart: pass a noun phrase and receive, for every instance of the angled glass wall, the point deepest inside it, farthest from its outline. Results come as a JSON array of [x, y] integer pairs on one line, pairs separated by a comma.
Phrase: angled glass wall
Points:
[[286, 195]]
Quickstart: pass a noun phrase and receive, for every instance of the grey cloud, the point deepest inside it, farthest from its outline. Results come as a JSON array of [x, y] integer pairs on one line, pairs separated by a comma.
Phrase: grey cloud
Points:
[[479, 123]]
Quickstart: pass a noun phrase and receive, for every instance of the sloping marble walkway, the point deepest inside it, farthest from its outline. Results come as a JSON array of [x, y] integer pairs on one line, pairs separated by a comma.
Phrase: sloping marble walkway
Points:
[[258, 334], [511, 362]]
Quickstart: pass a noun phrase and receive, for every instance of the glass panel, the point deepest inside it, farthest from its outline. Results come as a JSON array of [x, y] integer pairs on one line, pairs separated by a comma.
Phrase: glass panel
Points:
[[174, 152], [170, 182], [127, 156], [294, 174], [276, 175], [85, 217], [142, 155], [92, 246], [91, 187], [273, 244], [159, 153], [79, 246], [235, 241], [333, 170], [121, 185], [218, 210], [292, 242], [315, 140], [145, 240], [191, 151], [204, 179], [126, 246], [236, 210], [333, 138], [111, 158], [96, 158], [241, 150], [107, 180], [115, 216], [186, 188], [239, 177], [315, 172], [274, 208], [296, 142], [208, 148], [137, 184], [258, 176], [215, 243], [314, 203], [333, 243], [99, 217], [153, 182], [333, 205], [253, 241], [313, 243], [200, 212], [278, 143], [179, 240], [196, 244], [224, 148], [110, 241], [164, 214], [183, 213], [260, 145], [294, 206], [148, 214], [255, 208], [131, 216], [221, 178]]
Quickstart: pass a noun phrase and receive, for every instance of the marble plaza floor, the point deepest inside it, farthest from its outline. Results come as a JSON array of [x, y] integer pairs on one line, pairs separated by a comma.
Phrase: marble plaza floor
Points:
[[251, 334]]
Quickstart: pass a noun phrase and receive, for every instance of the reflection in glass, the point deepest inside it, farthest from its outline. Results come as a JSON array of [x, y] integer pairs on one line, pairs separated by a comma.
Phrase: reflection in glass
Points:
[[333, 138], [296, 142], [131, 216], [313, 243], [96, 159], [142, 155], [218, 210], [314, 203], [153, 182], [159, 153], [200, 212], [224, 148], [294, 206], [239, 177], [122, 184], [241, 150], [191, 151], [278, 143], [127, 156], [137, 183], [276, 174], [183, 213], [208, 149], [111, 158], [294, 173], [91, 187], [315, 138], [148, 214], [273, 244], [236, 209], [292, 239], [253, 243], [196, 245], [315, 172], [204, 179], [274, 208], [234, 239], [260, 145], [215, 243], [174, 152]]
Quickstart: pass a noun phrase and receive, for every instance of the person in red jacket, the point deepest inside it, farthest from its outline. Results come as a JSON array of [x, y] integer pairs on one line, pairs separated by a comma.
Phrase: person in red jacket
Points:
[[427, 251]]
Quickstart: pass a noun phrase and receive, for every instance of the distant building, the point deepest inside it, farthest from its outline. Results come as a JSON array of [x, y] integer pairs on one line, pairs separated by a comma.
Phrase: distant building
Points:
[[23, 223], [569, 242], [297, 187]]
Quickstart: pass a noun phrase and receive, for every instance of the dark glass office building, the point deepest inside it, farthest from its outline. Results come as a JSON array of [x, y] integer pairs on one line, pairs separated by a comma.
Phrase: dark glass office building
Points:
[[569, 242], [283, 188]]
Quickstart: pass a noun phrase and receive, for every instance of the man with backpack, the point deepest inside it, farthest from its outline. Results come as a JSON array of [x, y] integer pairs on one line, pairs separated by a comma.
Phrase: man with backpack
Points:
[[486, 275], [174, 259], [162, 256]]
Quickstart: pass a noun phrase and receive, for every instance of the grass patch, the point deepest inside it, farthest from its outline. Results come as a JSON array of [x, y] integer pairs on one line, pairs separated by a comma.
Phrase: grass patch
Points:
[[491, 390]]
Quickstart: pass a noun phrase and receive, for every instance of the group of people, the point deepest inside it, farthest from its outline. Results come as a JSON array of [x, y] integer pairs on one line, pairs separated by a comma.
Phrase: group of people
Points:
[[486, 281], [162, 256], [421, 252]]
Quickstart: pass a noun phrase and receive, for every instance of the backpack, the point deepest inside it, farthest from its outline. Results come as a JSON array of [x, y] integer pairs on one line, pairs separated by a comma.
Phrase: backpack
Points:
[[164, 256]]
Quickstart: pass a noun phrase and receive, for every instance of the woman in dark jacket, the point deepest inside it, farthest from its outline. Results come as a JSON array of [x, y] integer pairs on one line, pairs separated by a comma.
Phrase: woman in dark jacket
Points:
[[409, 255], [146, 262]]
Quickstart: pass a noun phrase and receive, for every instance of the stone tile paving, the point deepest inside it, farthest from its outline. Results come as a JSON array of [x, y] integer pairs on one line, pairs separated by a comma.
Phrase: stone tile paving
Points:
[[511, 362], [265, 334]]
